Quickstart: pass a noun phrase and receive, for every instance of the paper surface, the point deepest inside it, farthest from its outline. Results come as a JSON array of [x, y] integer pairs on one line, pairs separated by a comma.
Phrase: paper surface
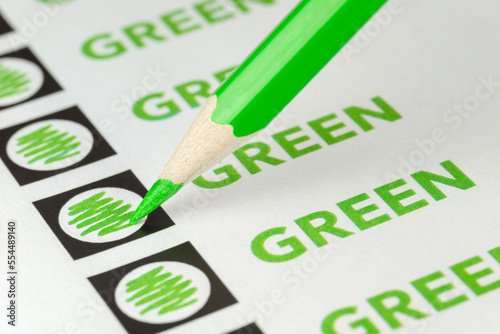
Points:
[[306, 230]]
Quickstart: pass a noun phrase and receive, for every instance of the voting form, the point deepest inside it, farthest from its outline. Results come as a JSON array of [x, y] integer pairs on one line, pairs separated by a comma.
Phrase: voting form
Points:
[[369, 205]]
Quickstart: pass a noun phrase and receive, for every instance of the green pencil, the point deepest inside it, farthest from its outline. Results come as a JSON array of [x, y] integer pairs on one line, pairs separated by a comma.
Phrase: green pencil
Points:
[[308, 38]]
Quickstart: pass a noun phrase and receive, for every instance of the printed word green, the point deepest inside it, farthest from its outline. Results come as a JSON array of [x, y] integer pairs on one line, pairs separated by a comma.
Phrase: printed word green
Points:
[[164, 292], [295, 142], [99, 213], [315, 225], [51, 145], [437, 289], [174, 23], [192, 94], [12, 82]]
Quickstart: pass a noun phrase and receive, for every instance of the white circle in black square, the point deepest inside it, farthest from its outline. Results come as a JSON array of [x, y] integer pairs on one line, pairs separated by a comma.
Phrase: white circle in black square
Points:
[[100, 215], [20, 79], [162, 292], [50, 145]]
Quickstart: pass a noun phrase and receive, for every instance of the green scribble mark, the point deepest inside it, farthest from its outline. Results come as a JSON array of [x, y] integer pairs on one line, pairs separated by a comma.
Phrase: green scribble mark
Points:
[[97, 213], [51, 145], [12, 82], [161, 291]]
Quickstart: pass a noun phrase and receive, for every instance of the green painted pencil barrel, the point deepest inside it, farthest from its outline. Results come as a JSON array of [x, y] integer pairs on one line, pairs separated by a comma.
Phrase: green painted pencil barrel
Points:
[[305, 42]]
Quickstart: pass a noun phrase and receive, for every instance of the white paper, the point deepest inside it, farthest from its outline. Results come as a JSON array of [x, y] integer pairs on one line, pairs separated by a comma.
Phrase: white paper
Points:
[[435, 63]]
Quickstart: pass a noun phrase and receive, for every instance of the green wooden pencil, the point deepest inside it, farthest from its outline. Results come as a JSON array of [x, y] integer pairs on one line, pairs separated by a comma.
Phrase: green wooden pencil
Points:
[[275, 72]]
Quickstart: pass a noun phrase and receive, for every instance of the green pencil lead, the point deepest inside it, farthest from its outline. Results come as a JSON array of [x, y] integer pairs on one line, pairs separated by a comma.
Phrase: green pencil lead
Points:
[[161, 191]]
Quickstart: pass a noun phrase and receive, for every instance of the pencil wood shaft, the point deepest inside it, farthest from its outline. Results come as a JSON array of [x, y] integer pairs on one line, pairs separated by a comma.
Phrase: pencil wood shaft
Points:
[[212, 142]]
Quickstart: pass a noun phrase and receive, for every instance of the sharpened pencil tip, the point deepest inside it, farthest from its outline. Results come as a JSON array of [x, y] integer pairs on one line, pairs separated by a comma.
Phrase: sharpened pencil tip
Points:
[[161, 191]]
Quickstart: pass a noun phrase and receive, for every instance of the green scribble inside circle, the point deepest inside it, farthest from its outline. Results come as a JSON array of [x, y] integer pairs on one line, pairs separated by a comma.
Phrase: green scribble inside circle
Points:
[[100, 213], [49, 145], [12, 82], [164, 292]]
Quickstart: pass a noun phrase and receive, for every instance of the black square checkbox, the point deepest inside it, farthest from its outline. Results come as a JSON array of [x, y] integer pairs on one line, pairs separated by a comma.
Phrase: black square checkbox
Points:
[[95, 217], [23, 78], [250, 329], [51, 145], [162, 291], [4, 26]]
